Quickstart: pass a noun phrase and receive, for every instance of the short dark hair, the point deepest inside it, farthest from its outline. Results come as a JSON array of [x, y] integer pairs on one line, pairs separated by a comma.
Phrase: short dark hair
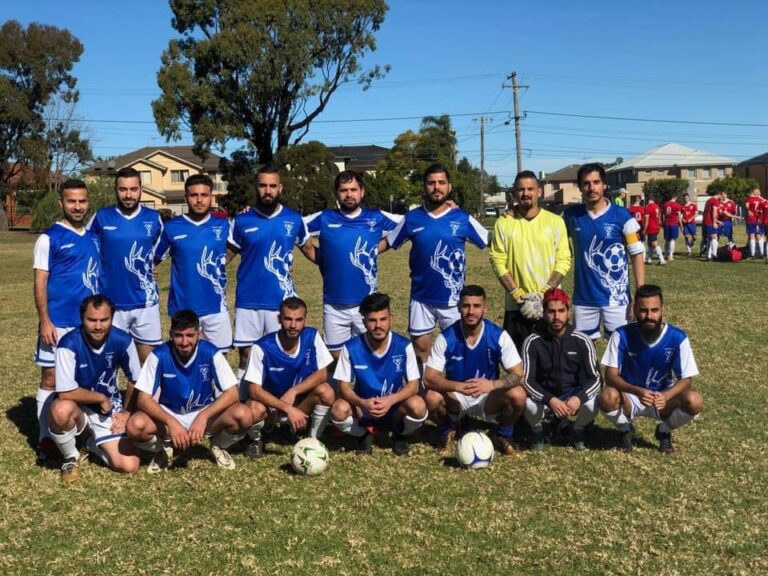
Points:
[[127, 172], [649, 291], [97, 301], [472, 290], [184, 319], [436, 169], [72, 184], [375, 302], [348, 176], [588, 169], [293, 303], [526, 174], [267, 170], [196, 179]]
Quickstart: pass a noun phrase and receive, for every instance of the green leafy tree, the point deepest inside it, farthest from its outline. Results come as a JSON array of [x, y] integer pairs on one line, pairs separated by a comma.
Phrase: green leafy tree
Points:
[[307, 173], [737, 188], [663, 189], [47, 211]]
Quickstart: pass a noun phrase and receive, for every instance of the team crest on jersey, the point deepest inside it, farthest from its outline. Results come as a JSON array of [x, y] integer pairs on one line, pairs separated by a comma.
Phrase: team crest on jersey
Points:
[[110, 359], [611, 230], [372, 225], [148, 228], [288, 228], [454, 227], [205, 371], [217, 230], [668, 353], [398, 361]]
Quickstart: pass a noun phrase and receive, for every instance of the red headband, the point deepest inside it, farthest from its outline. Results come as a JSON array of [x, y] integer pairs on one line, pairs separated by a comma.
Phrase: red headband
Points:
[[556, 294]]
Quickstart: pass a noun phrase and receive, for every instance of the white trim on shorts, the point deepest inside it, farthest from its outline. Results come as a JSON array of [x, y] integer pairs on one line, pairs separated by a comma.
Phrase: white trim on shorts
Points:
[[340, 324], [251, 325], [143, 324], [45, 356], [422, 318], [100, 425], [473, 406], [217, 330], [587, 319]]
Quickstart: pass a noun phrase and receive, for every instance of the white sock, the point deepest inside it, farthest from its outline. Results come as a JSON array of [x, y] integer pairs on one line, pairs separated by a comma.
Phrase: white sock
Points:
[[154, 444], [350, 426], [319, 420], [659, 253], [586, 414], [43, 399], [712, 248], [224, 439], [677, 419], [671, 250], [411, 424], [752, 247], [65, 441], [618, 418], [240, 374], [254, 432]]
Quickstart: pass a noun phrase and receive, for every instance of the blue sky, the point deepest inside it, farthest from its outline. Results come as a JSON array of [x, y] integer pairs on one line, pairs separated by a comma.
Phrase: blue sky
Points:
[[701, 61]]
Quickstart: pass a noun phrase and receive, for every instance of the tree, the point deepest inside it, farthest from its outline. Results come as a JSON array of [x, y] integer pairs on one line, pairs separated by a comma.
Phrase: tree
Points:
[[737, 188], [308, 172], [259, 70], [35, 66], [46, 211], [663, 189], [67, 147]]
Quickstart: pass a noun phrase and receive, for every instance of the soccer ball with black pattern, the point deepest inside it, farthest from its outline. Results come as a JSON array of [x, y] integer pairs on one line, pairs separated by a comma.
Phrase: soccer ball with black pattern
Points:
[[309, 457]]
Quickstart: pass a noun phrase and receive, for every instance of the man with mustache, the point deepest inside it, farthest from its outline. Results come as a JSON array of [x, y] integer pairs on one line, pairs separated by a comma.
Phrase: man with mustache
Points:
[[649, 367]]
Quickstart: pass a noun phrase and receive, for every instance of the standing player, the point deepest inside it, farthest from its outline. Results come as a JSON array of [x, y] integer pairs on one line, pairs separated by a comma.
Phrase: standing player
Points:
[[690, 209], [437, 261], [378, 381], [763, 230], [67, 269], [672, 220], [186, 391], [529, 253], [727, 216], [264, 236], [287, 377], [711, 225], [651, 228], [128, 233], [88, 396], [754, 214], [349, 249], [602, 235], [637, 210], [197, 245], [649, 367], [462, 375]]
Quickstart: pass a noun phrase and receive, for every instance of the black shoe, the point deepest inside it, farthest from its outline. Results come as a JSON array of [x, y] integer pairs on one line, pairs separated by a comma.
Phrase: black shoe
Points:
[[537, 439], [255, 449], [401, 446], [365, 443], [665, 441], [577, 439], [628, 439]]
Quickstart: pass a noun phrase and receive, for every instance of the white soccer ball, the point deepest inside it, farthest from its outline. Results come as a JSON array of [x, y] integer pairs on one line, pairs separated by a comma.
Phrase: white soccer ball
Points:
[[309, 457], [456, 262], [615, 258], [474, 450]]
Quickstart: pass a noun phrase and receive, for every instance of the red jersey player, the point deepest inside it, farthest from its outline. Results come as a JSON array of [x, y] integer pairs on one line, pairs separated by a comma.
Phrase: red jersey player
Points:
[[690, 209], [711, 224], [754, 221], [672, 220], [727, 215], [651, 227]]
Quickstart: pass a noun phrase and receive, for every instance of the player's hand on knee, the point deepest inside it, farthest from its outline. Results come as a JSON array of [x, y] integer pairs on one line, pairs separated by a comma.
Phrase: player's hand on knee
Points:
[[659, 400], [179, 435], [573, 403], [479, 386], [559, 408], [119, 420], [197, 429], [297, 419], [647, 398]]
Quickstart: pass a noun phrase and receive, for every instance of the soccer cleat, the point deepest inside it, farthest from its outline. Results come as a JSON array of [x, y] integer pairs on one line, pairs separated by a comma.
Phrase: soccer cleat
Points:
[[537, 439], [627, 440], [255, 449], [662, 263], [401, 446], [671, 258], [46, 451], [70, 470], [577, 439], [223, 458], [447, 443], [161, 460], [503, 445], [665, 441], [365, 443]]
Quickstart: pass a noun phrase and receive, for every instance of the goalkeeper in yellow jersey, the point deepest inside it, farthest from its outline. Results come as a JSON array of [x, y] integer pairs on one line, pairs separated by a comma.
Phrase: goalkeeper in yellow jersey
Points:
[[529, 254]]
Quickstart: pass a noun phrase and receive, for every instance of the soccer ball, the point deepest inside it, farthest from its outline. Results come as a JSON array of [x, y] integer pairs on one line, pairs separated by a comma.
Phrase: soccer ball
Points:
[[615, 258], [456, 262], [309, 457], [474, 450]]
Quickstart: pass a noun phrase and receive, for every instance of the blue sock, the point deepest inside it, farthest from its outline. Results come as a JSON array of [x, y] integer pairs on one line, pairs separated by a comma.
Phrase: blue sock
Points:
[[505, 431], [445, 427]]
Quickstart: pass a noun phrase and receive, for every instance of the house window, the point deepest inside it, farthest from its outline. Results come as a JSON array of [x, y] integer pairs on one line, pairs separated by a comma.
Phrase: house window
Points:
[[146, 177], [720, 172], [179, 175], [691, 173]]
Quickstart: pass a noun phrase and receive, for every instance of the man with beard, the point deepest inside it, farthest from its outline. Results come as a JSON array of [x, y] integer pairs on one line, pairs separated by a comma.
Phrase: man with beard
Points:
[[88, 396], [67, 269], [561, 373], [264, 236], [462, 375], [348, 257], [438, 234], [649, 367], [378, 381], [128, 233], [530, 254]]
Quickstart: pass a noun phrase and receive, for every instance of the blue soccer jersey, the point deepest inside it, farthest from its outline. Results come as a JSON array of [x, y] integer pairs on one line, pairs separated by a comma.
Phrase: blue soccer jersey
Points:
[[271, 367], [265, 244], [127, 252], [600, 244], [73, 263], [375, 375], [437, 260], [198, 252], [349, 250], [80, 366], [185, 388], [655, 366], [460, 361]]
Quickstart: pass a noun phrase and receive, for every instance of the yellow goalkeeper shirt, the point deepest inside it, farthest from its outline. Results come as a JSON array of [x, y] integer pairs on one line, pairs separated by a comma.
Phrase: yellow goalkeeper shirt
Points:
[[529, 250]]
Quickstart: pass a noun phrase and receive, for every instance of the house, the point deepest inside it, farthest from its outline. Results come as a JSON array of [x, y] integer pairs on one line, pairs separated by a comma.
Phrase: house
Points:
[[670, 160], [362, 159], [561, 186], [163, 172], [756, 168]]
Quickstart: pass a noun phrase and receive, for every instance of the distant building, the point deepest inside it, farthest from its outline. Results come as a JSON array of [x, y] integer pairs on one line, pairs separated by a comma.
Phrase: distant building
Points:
[[756, 168], [362, 159], [561, 186]]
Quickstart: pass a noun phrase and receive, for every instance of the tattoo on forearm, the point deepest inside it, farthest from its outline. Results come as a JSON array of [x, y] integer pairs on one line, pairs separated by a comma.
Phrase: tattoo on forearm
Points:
[[509, 380]]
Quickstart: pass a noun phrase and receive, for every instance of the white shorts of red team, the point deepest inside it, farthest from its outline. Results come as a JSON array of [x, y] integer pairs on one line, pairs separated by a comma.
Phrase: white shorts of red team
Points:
[[587, 319], [251, 325], [423, 318], [341, 323], [143, 324]]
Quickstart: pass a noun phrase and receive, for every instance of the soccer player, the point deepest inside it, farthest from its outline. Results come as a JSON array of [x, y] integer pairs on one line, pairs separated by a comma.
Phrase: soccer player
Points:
[[621, 198], [88, 396], [264, 236], [690, 209], [637, 211], [754, 213], [649, 367], [672, 222], [727, 215], [128, 233], [186, 391], [349, 249], [438, 234], [287, 377], [67, 268], [602, 235], [462, 375], [561, 372], [711, 224], [197, 245], [378, 381], [529, 253], [651, 228]]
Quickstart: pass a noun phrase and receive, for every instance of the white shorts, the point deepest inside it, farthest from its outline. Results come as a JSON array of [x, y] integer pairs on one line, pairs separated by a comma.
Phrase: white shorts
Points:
[[217, 330], [340, 323], [100, 425], [45, 355], [535, 411], [637, 408], [250, 325], [184, 419], [143, 324], [422, 318], [587, 319], [473, 406]]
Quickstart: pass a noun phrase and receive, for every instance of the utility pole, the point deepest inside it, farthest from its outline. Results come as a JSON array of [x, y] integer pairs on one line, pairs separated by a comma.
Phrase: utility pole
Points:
[[515, 87]]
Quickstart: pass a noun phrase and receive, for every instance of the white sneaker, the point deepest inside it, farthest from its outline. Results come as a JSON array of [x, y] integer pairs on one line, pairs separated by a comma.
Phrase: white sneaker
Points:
[[223, 458], [161, 460]]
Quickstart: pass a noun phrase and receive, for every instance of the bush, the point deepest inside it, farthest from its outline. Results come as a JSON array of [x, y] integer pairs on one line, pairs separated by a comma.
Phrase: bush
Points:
[[664, 189], [47, 211], [737, 188]]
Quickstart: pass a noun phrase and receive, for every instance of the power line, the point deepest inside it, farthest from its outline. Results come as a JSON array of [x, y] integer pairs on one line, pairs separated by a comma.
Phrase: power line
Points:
[[653, 120]]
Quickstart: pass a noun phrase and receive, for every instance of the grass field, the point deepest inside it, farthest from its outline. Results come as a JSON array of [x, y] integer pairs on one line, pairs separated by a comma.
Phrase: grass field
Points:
[[703, 510]]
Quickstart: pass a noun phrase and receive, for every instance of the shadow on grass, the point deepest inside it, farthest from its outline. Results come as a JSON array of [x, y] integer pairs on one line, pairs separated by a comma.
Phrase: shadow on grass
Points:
[[24, 417]]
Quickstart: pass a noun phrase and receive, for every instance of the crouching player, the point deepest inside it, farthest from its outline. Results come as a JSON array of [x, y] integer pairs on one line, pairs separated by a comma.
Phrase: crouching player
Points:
[[561, 372], [186, 391], [287, 377], [462, 375], [87, 360], [378, 381], [649, 368]]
